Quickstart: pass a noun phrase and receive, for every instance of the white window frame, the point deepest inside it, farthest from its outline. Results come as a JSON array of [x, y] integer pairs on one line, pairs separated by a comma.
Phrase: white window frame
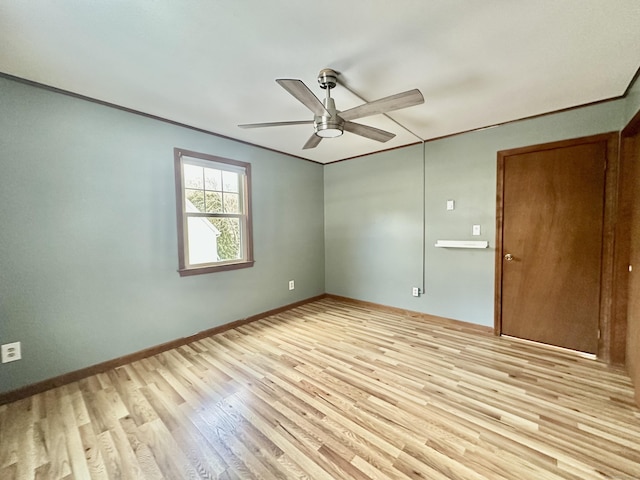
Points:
[[182, 157]]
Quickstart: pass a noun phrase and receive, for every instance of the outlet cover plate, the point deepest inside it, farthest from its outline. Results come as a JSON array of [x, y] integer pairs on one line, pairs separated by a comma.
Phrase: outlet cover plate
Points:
[[292, 285], [11, 352]]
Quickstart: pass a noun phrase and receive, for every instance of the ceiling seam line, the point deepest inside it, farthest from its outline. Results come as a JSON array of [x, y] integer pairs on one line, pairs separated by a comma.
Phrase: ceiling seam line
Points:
[[386, 115]]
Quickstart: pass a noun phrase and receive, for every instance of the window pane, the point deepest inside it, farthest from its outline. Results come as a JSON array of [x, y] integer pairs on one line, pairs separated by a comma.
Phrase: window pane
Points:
[[230, 181], [213, 202], [212, 179], [229, 241], [194, 200], [203, 240], [231, 203], [192, 176]]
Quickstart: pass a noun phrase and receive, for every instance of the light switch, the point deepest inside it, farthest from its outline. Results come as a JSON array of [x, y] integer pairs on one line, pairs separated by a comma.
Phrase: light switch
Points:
[[451, 204], [476, 230]]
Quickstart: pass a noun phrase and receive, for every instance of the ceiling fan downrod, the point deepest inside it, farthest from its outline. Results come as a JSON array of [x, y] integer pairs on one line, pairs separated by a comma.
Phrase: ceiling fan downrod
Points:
[[328, 126]]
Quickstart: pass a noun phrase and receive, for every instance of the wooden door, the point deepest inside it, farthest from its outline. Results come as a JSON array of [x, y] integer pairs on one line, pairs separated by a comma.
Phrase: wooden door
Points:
[[551, 249]]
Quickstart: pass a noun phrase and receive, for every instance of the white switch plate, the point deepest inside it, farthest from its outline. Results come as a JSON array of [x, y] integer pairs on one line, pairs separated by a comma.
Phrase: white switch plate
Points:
[[11, 352], [451, 204], [476, 230]]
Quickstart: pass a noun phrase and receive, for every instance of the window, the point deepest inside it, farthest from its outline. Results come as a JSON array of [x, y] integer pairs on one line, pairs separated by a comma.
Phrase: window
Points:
[[214, 213]]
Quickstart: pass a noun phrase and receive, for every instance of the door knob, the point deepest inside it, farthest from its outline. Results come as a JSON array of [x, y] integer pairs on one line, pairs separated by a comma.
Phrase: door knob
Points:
[[508, 257]]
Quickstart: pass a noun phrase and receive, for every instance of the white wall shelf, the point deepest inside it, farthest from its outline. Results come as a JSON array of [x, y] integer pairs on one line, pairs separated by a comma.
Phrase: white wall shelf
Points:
[[462, 243]]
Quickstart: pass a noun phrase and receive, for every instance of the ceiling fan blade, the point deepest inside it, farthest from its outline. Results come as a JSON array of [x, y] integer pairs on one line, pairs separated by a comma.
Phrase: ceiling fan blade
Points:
[[368, 132], [276, 124], [313, 142], [305, 96], [384, 105]]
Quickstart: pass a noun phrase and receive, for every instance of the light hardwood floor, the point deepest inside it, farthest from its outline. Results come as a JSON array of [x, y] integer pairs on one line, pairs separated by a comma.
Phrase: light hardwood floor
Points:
[[333, 390]]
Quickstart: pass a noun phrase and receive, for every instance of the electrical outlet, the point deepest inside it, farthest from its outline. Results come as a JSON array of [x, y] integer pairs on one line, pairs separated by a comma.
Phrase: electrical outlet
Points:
[[292, 285], [415, 291], [11, 352], [475, 230]]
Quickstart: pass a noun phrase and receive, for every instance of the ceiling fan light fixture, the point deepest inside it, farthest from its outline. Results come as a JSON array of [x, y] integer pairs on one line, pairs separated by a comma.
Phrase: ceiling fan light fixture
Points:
[[328, 132], [326, 128]]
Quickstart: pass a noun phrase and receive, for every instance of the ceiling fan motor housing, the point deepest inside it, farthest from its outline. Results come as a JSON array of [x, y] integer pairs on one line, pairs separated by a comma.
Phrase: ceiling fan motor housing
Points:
[[329, 126]]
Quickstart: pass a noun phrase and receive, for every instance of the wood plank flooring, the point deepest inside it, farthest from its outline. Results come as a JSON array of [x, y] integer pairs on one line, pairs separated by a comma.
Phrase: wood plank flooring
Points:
[[333, 390]]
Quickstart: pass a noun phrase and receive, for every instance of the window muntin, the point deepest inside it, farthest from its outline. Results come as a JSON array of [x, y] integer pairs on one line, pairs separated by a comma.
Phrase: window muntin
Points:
[[214, 218]]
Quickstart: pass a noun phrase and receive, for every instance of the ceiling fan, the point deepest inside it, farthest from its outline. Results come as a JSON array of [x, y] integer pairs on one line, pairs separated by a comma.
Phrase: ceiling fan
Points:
[[329, 122]]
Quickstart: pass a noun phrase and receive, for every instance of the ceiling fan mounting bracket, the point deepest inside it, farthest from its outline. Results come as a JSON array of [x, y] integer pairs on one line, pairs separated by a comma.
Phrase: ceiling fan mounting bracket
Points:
[[327, 78]]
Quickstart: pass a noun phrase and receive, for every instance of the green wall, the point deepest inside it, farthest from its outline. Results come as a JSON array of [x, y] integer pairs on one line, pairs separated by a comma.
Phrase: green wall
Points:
[[373, 226], [88, 242], [373, 215]]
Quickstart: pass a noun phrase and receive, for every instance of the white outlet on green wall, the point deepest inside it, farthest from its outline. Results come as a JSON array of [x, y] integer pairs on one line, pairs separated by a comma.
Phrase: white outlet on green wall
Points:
[[11, 352]]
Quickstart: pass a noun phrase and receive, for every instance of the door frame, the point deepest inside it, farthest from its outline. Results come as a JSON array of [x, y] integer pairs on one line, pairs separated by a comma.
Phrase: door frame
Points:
[[607, 317]]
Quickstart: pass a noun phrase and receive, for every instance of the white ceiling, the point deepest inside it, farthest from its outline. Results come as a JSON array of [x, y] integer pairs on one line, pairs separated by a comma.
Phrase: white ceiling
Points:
[[212, 64]]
